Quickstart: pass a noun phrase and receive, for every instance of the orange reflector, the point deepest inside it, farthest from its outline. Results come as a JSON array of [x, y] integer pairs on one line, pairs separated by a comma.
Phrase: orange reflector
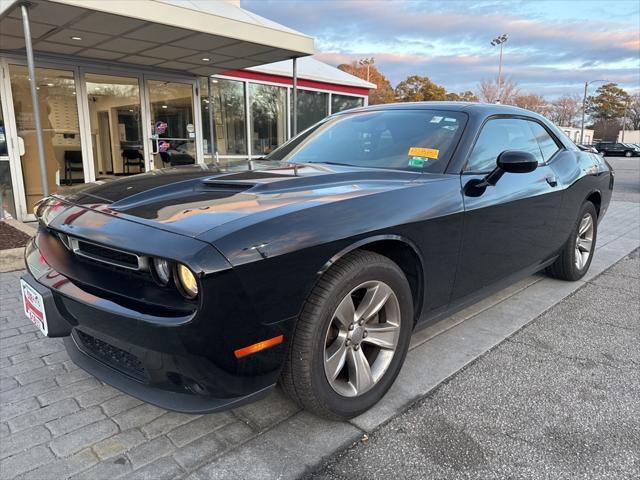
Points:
[[256, 347]]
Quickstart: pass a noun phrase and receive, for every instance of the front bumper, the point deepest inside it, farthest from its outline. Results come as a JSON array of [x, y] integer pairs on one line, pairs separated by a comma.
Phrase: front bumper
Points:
[[184, 364]]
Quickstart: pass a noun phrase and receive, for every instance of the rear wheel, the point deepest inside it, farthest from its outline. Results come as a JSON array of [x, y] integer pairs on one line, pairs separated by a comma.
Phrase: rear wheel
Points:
[[576, 255], [351, 338]]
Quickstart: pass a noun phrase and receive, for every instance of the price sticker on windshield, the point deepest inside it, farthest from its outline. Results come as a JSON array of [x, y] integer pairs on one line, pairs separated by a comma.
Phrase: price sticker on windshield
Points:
[[424, 152]]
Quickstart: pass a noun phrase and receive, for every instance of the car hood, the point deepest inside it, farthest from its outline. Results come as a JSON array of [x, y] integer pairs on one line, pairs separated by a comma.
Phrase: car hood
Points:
[[193, 200]]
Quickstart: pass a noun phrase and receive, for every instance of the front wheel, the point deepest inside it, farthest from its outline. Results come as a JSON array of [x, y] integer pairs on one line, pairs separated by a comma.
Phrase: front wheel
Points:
[[576, 255], [351, 338], [627, 154]]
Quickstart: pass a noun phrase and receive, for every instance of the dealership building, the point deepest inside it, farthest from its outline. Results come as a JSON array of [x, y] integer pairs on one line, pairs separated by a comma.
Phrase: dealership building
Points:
[[128, 86]]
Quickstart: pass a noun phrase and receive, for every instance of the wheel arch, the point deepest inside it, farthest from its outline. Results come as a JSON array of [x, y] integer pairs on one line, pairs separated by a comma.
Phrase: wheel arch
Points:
[[595, 197], [400, 250]]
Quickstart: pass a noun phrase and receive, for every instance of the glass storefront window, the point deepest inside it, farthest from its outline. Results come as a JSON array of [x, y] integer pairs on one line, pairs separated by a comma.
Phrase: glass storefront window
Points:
[[116, 125], [61, 132], [229, 117], [340, 103], [205, 110], [312, 107], [268, 117], [172, 121], [7, 206]]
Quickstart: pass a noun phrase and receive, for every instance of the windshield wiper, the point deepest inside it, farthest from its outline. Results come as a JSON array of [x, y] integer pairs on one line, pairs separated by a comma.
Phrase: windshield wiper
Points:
[[334, 163]]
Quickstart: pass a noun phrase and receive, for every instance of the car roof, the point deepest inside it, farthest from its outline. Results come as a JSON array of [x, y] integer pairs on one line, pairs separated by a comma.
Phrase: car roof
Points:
[[472, 108]]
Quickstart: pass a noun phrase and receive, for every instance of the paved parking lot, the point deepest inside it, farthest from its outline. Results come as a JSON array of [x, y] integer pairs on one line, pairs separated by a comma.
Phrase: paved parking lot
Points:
[[627, 184], [56, 421], [559, 399]]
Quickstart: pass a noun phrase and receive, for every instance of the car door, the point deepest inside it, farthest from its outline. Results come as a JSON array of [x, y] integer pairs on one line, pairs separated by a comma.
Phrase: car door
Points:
[[510, 226]]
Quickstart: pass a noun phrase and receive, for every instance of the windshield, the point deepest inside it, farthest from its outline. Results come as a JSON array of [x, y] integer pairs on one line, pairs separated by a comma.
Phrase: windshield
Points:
[[413, 139]]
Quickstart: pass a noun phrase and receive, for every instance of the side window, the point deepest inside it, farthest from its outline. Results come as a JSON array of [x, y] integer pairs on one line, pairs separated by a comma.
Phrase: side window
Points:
[[497, 136], [547, 144]]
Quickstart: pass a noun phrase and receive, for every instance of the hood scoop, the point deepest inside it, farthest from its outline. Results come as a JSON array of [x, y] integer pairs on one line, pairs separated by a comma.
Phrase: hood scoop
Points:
[[231, 187]]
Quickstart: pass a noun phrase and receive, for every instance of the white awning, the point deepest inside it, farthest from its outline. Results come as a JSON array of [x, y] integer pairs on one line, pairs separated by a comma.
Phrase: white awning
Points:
[[202, 38], [311, 69]]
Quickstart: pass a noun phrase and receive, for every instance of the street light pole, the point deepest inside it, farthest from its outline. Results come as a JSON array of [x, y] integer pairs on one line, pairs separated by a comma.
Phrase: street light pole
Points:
[[500, 73], [368, 62], [500, 40], [584, 106]]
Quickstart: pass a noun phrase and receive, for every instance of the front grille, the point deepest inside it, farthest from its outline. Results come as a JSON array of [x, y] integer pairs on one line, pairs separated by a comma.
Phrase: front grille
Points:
[[107, 255], [113, 356]]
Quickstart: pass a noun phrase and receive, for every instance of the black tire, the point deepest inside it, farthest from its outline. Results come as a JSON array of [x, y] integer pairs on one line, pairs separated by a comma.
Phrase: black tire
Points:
[[565, 268], [628, 154], [303, 377]]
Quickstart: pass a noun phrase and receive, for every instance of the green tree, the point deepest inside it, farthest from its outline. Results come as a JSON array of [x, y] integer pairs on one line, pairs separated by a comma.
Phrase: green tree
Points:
[[384, 91], [417, 89], [606, 109], [608, 103]]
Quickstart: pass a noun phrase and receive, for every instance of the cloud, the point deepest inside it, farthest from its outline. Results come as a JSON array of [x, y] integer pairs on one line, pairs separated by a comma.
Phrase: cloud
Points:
[[551, 45]]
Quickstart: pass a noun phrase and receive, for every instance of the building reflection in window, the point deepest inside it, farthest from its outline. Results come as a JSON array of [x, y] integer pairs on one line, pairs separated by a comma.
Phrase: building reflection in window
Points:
[[312, 107], [230, 129], [339, 103], [268, 117]]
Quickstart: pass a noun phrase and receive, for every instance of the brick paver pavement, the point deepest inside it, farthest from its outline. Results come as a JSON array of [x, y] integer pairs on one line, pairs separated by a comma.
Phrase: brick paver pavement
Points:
[[57, 421]]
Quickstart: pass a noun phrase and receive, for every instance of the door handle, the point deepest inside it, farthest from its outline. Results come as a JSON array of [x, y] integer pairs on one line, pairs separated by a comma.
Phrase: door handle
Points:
[[552, 180]]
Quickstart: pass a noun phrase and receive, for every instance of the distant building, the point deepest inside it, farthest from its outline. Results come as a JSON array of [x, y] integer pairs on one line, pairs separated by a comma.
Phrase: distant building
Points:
[[629, 136], [574, 134]]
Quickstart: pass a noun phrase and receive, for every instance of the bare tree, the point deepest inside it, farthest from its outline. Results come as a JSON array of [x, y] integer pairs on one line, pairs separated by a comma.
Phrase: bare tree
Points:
[[566, 110], [534, 102], [489, 92], [633, 112]]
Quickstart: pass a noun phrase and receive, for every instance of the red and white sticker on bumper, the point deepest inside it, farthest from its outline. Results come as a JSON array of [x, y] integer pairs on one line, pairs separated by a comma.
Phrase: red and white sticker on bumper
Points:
[[34, 306]]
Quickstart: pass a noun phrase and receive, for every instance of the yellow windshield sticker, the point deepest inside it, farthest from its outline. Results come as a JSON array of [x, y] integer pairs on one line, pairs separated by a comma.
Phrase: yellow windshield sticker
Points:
[[424, 152]]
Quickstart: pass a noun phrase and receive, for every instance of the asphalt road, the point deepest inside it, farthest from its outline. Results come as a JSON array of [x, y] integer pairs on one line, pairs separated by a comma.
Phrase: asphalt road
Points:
[[559, 399], [627, 183]]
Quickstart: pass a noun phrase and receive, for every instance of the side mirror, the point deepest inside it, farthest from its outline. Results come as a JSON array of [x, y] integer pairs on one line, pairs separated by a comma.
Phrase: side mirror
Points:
[[509, 161], [516, 161]]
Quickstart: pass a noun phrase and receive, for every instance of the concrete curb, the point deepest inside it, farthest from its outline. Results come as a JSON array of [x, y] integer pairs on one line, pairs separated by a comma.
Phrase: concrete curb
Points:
[[23, 227], [13, 258]]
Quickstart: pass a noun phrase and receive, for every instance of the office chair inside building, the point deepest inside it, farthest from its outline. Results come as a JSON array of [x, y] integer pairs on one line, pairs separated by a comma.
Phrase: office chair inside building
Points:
[[132, 157], [72, 163]]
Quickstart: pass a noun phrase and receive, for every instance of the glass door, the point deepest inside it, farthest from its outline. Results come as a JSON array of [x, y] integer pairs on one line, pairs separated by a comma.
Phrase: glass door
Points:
[[172, 123], [115, 124], [65, 162]]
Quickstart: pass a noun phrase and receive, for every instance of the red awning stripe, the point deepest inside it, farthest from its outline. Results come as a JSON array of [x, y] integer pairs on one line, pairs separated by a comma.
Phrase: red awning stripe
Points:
[[267, 77]]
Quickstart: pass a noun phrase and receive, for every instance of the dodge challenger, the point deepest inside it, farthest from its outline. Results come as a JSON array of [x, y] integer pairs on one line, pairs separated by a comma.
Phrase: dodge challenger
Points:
[[199, 290]]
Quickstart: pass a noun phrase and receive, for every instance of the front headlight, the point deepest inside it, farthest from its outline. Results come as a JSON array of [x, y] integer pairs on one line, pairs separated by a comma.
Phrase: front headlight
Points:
[[161, 271], [187, 281]]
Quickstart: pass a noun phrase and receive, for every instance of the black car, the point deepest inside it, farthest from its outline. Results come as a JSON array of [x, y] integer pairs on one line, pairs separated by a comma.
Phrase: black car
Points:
[[198, 290], [614, 148]]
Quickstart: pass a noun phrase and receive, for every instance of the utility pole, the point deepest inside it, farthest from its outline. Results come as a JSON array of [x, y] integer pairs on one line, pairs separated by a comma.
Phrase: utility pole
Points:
[[584, 106], [624, 121], [500, 40]]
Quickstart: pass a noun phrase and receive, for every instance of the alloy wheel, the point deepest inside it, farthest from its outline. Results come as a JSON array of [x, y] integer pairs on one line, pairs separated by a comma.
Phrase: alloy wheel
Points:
[[584, 242], [362, 338]]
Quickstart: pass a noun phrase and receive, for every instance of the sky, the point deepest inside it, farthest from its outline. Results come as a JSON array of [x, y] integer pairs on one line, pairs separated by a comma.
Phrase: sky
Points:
[[553, 46]]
